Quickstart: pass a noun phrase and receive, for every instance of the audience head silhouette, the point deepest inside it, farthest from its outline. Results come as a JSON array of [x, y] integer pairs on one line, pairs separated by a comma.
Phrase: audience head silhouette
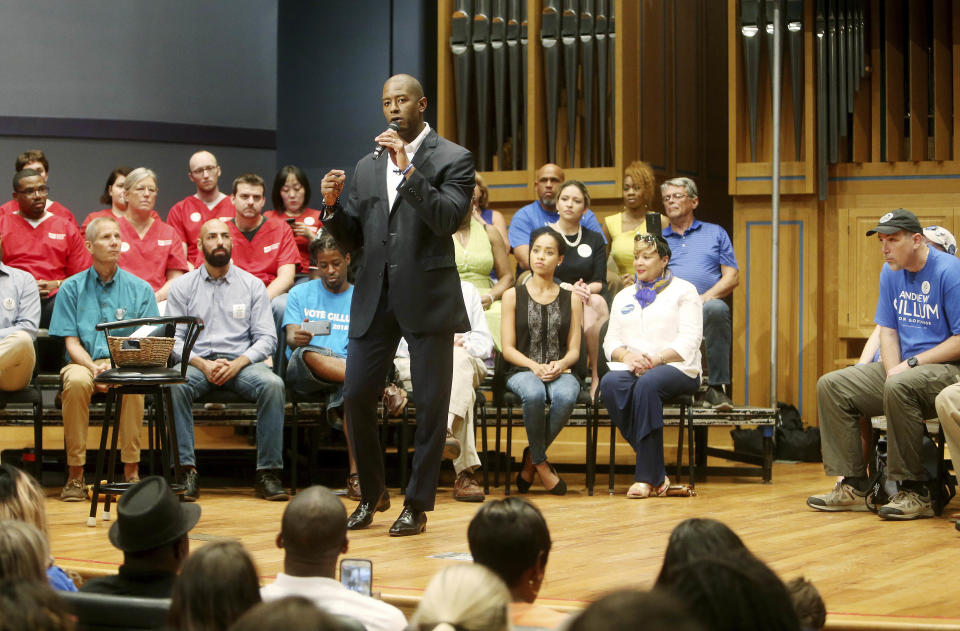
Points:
[[313, 533], [618, 611], [463, 598], [217, 584], [24, 553], [293, 613], [32, 605], [511, 538], [21, 498], [696, 538]]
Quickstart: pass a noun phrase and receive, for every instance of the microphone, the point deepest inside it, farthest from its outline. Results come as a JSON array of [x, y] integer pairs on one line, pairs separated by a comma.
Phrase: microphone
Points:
[[379, 149]]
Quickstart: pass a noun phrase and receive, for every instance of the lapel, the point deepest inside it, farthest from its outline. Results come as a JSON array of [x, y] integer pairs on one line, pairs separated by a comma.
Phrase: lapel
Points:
[[380, 176]]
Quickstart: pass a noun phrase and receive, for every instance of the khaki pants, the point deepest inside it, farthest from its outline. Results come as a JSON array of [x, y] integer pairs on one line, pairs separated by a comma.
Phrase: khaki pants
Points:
[[468, 372], [77, 383], [907, 399], [17, 359], [948, 410]]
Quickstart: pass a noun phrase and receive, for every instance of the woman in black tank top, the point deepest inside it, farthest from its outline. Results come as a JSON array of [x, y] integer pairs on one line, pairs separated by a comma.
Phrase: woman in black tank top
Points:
[[540, 333]]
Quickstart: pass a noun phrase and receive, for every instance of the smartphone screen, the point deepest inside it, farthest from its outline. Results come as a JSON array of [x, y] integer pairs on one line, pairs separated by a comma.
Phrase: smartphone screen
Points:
[[357, 575]]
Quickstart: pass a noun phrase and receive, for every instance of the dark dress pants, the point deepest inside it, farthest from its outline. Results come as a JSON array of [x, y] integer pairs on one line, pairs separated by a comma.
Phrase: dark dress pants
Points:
[[369, 360]]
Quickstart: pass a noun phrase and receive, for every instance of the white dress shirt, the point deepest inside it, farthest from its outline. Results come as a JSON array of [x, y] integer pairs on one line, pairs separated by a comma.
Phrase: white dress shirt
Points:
[[674, 320], [394, 178], [332, 597]]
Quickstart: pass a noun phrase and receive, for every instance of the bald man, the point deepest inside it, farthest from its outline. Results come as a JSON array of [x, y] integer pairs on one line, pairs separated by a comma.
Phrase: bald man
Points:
[[187, 215], [540, 213], [238, 335], [405, 206], [313, 535]]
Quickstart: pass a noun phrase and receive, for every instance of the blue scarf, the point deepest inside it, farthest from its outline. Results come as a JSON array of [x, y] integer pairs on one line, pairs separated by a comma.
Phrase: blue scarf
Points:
[[647, 292]]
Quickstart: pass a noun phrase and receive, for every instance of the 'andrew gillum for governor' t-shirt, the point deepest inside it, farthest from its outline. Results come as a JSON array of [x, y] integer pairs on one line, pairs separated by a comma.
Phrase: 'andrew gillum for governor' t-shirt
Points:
[[924, 306]]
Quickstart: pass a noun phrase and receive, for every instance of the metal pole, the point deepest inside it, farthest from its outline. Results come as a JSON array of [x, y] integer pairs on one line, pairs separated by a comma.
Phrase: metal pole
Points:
[[775, 201]]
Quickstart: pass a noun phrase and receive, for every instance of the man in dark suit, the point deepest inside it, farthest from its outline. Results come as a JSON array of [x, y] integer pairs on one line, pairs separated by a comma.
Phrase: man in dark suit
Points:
[[402, 210]]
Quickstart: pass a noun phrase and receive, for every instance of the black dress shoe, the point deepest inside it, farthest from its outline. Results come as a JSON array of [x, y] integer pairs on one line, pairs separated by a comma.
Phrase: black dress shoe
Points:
[[191, 485], [410, 522], [268, 486], [362, 515], [522, 485]]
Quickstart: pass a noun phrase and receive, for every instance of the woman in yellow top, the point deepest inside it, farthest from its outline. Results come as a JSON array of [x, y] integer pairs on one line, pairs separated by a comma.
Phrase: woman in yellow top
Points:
[[480, 249], [639, 187]]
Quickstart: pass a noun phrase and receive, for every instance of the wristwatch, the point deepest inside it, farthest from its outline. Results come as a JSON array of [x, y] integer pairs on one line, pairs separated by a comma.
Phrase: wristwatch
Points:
[[912, 362]]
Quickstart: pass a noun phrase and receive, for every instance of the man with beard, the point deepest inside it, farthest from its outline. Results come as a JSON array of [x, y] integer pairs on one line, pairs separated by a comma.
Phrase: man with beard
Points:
[[103, 293], [541, 212], [239, 334], [187, 215], [47, 246]]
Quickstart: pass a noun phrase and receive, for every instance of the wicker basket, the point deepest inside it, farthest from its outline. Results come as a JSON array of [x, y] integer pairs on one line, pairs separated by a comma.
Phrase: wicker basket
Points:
[[140, 351]]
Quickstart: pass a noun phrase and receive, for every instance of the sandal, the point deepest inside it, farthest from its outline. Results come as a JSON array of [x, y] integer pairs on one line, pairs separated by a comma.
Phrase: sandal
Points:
[[639, 491]]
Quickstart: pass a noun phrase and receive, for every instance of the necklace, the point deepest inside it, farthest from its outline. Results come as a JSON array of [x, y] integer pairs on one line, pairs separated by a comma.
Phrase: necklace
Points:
[[575, 242]]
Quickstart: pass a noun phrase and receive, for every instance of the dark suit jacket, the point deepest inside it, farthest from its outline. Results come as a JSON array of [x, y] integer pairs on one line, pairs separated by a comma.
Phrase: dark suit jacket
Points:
[[412, 244]]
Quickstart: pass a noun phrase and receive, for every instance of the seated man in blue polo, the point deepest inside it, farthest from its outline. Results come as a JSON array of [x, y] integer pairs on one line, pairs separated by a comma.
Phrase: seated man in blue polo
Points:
[[102, 293], [239, 334], [540, 213], [703, 255], [316, 323]]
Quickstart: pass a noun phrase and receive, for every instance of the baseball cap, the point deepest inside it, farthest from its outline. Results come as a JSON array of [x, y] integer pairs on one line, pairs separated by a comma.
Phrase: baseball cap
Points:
[[942, 237], [897, 220]]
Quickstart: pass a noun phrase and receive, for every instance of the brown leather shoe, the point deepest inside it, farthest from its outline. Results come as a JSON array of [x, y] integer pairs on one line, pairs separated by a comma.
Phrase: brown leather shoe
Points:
[[451, 447], [466, 489], [394, 399], [353, 487]]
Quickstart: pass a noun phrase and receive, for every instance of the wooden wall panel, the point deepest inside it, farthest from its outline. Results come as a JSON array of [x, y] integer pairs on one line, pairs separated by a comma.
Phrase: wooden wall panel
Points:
[[918, 83], [798, 305], [942, 82], [894, 59]]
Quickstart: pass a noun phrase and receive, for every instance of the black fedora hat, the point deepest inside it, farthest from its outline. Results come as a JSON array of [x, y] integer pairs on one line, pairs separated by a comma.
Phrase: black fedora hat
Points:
[[149, 515]]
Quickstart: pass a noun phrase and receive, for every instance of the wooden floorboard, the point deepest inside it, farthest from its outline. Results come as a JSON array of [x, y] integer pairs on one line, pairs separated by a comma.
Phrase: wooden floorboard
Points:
[[872, 574]]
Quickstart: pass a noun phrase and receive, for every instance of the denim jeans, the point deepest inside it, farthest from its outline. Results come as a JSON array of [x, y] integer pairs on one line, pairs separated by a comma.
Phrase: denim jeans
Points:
[[256, 382], [717, 338], [543, 427]]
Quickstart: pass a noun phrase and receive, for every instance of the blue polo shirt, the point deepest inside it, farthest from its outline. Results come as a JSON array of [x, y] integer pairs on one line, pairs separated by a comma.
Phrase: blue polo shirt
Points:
[[533, 216], [84, 302], [312, 301], [699, 252], [923, 307]]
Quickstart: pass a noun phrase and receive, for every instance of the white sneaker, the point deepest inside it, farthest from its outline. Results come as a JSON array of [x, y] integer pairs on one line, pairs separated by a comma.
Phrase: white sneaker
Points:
[[843, 497], [907, 505]]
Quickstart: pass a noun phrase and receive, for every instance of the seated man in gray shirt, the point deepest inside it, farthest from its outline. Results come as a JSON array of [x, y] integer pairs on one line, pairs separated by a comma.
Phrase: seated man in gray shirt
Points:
[[239, 334], [19, 318]]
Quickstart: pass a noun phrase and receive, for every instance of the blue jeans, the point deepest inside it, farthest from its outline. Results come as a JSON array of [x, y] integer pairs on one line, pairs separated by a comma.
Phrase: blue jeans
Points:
[[717, 338], [256, 382], [542, 428]]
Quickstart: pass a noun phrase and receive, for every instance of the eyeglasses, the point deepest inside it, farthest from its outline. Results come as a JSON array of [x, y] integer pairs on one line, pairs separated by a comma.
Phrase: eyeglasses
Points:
[[296, 188], [40, 191], [202, 170], [675, 197], [144, 190], [646, 237]]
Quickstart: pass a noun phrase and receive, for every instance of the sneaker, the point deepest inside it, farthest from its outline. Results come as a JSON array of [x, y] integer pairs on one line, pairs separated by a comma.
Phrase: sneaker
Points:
[[73, 491], [466, 489], [191, 485], [451, 447], [269, 488], [717, 399], [907, 504], [843, 497]]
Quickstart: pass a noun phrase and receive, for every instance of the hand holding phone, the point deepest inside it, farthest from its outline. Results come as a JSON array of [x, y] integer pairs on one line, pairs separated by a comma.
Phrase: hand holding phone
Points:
[[357, 575], [317, 327]]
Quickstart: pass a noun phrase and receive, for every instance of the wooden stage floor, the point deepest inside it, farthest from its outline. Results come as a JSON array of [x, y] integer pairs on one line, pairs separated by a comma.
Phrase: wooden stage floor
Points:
[[872, 574]]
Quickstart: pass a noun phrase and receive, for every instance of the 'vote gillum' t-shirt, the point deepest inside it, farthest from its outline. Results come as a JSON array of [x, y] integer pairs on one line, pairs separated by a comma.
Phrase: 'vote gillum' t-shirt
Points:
[[924, 306]]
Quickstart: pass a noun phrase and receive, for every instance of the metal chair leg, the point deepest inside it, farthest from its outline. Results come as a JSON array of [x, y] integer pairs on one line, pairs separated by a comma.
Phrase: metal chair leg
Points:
[[92, 519], [509, 458], [613, 457]]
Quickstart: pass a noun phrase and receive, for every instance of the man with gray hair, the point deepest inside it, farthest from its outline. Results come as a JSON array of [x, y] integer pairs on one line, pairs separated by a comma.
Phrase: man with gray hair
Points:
[[703, 255], [313, 535], [102, 293]]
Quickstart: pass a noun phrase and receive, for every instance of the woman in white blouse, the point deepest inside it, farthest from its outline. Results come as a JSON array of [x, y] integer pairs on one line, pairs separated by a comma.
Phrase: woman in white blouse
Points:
[[653, 345]]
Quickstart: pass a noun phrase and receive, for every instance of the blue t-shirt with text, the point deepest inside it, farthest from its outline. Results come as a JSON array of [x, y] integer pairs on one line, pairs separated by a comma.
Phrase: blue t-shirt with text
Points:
[[924, 306], [312, 301]]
